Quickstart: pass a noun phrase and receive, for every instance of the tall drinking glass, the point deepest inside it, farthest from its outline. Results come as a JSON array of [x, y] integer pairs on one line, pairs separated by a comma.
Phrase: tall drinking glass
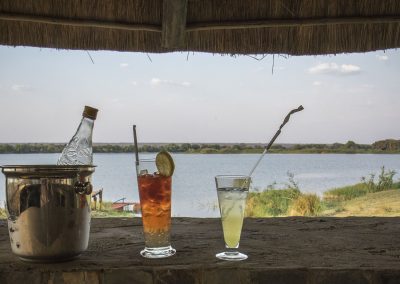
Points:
[[232, 194], [155, 202]]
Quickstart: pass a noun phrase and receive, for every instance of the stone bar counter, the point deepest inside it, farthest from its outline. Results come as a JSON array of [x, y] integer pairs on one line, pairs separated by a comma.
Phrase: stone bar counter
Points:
[[280, 250]]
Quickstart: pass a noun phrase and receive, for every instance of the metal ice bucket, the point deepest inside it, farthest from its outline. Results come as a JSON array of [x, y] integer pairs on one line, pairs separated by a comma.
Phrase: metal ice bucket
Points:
[[48, 209]]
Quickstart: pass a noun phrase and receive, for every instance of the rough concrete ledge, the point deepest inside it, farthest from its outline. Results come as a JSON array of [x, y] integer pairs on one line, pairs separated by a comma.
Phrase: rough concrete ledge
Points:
[[281, 250]]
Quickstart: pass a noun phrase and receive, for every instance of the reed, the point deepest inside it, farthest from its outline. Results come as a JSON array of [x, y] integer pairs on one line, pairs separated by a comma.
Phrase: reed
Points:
[[306, 205], [271, 202]]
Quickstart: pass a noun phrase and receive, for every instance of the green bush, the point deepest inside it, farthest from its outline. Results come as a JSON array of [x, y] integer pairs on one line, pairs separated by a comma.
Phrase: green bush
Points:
[[385, 181]]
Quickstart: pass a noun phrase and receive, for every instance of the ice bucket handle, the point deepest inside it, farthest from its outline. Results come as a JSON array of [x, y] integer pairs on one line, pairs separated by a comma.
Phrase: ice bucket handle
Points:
[[83, 187]]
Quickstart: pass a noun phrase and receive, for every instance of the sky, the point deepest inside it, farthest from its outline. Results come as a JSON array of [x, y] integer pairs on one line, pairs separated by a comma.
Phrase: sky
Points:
[[198, 97]]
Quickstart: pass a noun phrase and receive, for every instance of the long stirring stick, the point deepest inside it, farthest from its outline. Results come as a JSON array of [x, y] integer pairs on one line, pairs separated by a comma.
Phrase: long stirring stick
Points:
[[136, 145], [300, 108]]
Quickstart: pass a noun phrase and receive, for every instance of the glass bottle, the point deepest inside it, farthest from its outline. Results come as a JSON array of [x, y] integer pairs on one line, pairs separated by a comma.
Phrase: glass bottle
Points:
[[79, 151]]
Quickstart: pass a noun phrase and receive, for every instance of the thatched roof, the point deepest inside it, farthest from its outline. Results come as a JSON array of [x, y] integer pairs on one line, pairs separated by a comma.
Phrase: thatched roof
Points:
[[295, 27]]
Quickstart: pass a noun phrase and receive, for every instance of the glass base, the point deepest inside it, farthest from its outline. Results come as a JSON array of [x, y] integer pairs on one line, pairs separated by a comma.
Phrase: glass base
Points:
[[160, 252], [231, 255]]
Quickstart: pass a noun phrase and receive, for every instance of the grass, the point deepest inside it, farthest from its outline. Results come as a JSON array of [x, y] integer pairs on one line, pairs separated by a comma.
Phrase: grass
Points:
[[384, 203], [346, 193], [3, 214]]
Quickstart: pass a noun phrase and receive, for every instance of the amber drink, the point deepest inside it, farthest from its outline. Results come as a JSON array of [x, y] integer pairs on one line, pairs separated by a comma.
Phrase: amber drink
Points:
[[155, 202]]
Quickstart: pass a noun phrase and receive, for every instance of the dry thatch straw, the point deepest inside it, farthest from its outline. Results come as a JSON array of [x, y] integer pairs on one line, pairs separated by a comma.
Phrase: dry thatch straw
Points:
[[294, 27]]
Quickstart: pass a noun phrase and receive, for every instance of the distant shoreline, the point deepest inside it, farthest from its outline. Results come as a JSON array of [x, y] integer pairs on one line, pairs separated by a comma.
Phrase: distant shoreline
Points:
[[389, 146]]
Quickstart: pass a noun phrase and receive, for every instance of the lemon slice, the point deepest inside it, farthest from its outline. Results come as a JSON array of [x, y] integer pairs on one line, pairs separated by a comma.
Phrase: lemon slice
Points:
[[165, 164]]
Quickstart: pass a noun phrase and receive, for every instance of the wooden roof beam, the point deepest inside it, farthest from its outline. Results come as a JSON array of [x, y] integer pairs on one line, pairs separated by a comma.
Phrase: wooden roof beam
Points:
[[174, 23]]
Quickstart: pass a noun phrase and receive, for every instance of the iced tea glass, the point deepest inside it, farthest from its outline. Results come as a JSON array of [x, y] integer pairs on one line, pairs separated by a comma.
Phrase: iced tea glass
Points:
[[155, 202], [232, 194]]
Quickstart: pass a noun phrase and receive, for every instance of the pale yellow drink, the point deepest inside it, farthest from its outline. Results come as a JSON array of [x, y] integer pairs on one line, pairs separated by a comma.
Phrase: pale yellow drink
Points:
[[232, 202], [232, 192]]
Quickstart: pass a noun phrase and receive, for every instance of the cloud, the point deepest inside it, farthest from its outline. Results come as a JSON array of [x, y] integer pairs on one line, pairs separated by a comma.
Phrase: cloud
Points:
[[334, 69], [348, 68], [317, 83], [21, 88], [155, 81], [185, 84], [382, 57], [123, 65], [159, 82], [134, 83]]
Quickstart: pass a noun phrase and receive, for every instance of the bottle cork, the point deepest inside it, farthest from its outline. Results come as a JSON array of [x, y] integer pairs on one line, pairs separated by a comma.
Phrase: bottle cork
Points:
[[90, 112]]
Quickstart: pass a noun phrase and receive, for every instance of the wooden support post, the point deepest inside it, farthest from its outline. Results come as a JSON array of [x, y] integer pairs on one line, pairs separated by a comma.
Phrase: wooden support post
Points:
[[174, 23], [94, 196], [95, 202], [101, 198]]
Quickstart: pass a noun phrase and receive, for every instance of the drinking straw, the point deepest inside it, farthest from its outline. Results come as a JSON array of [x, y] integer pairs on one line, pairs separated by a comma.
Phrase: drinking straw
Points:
[[136, 146], [300, 108]]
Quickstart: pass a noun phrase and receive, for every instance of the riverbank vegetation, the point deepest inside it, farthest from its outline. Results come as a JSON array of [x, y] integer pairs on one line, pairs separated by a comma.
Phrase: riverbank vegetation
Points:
[[350, 147], [373, 196]]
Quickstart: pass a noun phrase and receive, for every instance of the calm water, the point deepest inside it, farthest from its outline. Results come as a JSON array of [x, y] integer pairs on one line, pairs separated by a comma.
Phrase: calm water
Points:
[[194, 191]]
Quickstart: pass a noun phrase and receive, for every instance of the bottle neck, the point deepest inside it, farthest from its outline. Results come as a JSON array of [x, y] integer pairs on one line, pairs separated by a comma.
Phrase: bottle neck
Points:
[[85, 129]]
